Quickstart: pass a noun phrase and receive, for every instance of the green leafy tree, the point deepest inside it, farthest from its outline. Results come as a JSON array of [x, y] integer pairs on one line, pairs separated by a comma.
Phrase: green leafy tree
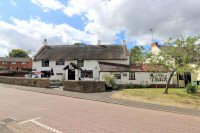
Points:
[[79, 44], [136, 54], [19, 53], [179, 56]]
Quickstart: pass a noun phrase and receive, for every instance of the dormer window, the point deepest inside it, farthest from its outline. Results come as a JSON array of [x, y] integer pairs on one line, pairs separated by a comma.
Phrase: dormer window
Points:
[[45, 63], [80, 63]]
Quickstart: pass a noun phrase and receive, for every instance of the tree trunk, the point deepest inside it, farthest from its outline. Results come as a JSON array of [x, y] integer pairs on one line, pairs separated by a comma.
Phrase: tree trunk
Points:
[[168, 82]]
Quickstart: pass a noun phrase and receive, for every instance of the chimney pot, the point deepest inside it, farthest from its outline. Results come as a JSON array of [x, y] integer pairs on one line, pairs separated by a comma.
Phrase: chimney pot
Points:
[[45, 42], [124, 42], [155, 44], [99, 42]]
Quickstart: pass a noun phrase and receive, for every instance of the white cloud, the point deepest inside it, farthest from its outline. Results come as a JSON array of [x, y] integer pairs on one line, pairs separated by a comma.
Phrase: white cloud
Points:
[[47, 5], [168, 18], [29, 35]]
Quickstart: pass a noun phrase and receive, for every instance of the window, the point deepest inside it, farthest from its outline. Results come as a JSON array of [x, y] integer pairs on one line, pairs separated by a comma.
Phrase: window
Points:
[[59, 74], [14, 62], [118, 76], [60, 62], [124, 74], [4, 62], [181, 77], [86, 74], [18, 69], [80, 63], [132, 76], [45, 63]]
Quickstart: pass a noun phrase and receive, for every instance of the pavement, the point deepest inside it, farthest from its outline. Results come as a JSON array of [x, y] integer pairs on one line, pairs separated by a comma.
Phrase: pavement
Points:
[[106, 97], [34, 112], [4, 128]]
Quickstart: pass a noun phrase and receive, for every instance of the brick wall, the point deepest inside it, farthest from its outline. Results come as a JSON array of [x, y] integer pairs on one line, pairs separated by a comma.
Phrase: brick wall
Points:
[[18, 66], [42, 83], [84, 86]]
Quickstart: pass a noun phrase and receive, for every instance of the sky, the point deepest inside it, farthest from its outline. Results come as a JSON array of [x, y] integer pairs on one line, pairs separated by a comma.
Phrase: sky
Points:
[[24, 24]]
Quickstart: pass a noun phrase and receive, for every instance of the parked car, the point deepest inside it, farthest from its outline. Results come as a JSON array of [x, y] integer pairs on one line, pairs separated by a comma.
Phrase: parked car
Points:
[[28, 76]]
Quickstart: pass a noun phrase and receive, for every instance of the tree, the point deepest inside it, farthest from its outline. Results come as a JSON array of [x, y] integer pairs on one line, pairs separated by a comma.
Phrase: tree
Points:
[[79, 44], [179, 56], [18, 53], [136, 54]]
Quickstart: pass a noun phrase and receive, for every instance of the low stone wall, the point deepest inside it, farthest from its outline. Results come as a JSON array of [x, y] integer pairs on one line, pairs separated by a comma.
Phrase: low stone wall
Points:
[[84, 86], [42, 83]]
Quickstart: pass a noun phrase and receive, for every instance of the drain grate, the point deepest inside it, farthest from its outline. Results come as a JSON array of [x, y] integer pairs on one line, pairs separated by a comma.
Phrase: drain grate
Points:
[[8, 120]]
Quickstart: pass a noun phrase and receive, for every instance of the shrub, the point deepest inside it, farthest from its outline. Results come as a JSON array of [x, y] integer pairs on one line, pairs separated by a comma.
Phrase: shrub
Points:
[[110, 80], [129, 85], [191, 89]]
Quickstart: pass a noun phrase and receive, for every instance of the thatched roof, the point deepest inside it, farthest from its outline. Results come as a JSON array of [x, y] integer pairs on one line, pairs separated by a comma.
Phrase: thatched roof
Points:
[[87, 52]]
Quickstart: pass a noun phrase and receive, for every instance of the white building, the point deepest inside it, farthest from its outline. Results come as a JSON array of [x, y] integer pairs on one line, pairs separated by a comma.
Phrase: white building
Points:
[[92, 62], [72, 62], [134, 74]]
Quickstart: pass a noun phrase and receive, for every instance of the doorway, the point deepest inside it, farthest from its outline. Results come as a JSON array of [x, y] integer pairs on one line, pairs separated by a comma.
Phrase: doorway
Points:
[[71, 74], [187, 77]]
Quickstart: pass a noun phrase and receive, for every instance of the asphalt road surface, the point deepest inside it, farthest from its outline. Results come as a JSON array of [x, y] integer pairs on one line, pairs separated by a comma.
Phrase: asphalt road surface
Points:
[[31, 112]]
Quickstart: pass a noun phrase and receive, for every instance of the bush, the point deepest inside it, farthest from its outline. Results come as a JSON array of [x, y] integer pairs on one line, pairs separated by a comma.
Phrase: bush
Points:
[[110, 80], [129, 85], [191, 89]]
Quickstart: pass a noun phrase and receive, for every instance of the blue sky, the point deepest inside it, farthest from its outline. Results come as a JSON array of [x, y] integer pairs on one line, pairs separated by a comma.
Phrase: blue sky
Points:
[[24, 9], [25, 23]]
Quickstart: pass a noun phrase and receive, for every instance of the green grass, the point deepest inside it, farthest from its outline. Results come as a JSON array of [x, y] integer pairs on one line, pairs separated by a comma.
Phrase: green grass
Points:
[[176, 97]]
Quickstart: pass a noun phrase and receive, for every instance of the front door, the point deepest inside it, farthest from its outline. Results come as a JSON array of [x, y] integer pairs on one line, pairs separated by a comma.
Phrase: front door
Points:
[[71, 74], [187, 77]]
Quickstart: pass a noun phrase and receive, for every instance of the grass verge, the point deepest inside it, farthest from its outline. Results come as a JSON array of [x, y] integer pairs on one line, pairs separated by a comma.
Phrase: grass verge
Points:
[[176, 97]]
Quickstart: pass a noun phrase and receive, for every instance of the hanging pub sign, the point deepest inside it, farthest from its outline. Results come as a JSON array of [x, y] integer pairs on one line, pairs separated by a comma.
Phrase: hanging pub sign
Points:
[[158, 77]]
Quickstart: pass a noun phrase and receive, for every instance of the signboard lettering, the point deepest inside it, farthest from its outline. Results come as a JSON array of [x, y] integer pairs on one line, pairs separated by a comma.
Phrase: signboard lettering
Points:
[[158, 77]]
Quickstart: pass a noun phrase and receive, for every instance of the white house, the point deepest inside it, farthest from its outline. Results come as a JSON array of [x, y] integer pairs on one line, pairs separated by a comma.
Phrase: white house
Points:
[[92, 62], [72, 62]]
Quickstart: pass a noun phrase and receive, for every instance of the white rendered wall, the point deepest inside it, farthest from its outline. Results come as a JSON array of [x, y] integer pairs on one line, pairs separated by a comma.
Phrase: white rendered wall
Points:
[[88, 65], [140, 78]]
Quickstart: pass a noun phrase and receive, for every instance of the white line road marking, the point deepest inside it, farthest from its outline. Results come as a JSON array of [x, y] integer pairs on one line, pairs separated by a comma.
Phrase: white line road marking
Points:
[[47, 127], [40, 124], [29, 120]]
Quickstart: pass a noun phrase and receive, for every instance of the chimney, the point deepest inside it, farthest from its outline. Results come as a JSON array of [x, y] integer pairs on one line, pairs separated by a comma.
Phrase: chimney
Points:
[[45, 42], [124, 42], [155, 44], [99, 42]]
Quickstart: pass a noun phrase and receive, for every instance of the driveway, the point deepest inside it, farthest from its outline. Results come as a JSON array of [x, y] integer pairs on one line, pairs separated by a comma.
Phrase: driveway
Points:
[[34, 112]]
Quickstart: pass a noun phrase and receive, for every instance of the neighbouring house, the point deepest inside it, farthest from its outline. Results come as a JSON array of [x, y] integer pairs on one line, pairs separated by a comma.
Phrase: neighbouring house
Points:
[[16, 64], [179, 80]]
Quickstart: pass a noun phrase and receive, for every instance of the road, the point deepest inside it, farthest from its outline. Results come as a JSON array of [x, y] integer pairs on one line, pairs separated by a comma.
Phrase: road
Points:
[[44, 113]]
